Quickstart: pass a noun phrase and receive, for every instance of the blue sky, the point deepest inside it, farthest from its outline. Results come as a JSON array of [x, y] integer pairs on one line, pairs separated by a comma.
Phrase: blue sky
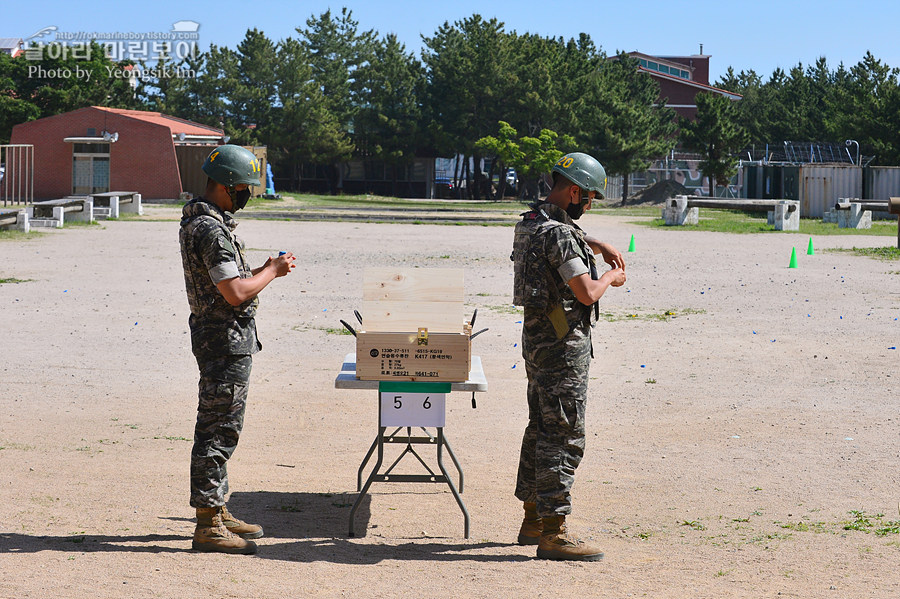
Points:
[[758, 35]]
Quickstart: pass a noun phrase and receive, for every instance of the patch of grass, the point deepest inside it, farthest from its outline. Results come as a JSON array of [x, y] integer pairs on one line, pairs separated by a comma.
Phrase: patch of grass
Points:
[[383, 202], [650, 381], [816, 527], [737, 221], [14, 280], [506, 309], [19, 446], [647, 315], [13, 235], [695, 524], [336, 331], [861, 521], [871, 523], [168, 438], [885, 253]]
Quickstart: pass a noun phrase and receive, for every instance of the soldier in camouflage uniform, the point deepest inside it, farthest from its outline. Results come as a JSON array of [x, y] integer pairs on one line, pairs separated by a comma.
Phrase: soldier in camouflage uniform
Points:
[[222, 293], [556, 282]]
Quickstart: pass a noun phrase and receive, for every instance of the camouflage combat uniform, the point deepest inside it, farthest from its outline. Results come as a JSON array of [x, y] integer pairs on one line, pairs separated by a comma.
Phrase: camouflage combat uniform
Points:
[[548, 250], [223, 339]]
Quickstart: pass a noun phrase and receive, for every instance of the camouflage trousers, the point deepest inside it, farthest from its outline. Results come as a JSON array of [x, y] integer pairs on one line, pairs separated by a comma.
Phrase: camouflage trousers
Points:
[[553, 443], [224, 383]]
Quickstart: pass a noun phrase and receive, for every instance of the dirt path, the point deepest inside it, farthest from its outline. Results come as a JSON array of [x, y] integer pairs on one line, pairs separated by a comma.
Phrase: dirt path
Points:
[[729, 441]]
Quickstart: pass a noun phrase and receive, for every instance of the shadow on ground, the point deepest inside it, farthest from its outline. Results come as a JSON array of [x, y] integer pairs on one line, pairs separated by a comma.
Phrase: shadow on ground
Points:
[[299, 527], [313, 527]]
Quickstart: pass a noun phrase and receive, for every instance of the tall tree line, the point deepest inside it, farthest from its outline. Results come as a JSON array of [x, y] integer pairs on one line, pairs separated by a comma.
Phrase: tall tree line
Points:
[[334, 91], [816, 103]]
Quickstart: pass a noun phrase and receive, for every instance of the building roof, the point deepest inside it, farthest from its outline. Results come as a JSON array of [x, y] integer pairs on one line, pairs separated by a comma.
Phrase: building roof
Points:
[[11, 45], [694, 84], [175, 124]]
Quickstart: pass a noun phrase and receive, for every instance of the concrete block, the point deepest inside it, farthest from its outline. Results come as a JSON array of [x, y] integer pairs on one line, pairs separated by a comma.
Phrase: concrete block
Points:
[[678, 213], [48, 223], [855, 217], [135, 206], [786, 218], [22, 222], [114, 207], [85, 216], [770, 217]]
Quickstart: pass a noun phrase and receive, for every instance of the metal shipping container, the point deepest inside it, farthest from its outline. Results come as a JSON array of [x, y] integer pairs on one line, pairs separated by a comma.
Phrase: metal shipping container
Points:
[[821, 186], [881, 182]]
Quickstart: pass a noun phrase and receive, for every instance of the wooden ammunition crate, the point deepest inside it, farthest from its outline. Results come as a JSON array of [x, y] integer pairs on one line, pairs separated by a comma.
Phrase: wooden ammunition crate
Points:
[[401, 357], [426, 306]]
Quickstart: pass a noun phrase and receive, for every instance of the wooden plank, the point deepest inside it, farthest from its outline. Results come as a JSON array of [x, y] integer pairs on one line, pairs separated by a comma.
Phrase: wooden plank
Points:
[[894, 205], [413, 284], [406, 299], [398, 317]]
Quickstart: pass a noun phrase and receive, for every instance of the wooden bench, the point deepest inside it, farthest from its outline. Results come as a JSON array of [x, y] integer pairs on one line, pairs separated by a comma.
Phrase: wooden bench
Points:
[[52, 213], [110, 204], [684, 210]]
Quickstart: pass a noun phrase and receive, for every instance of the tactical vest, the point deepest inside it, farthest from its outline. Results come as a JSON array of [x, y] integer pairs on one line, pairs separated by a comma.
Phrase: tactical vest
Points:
[[535, 283]]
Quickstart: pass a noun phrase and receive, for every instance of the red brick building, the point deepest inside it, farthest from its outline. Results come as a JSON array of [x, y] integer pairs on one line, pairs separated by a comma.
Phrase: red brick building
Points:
[[97, 149], [680, 79]]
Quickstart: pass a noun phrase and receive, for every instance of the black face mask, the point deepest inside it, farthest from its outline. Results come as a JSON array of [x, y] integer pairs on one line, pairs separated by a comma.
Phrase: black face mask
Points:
[[239, 199], [575, 210]]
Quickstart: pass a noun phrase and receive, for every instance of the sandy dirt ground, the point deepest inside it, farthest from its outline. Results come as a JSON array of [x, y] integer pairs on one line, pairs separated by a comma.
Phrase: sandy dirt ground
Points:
[[730, 446]]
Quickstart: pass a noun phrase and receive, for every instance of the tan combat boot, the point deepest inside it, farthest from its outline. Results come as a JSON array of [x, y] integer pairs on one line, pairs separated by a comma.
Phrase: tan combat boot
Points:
[[556, 544], [211, 535], [530, 531], [239, 527]]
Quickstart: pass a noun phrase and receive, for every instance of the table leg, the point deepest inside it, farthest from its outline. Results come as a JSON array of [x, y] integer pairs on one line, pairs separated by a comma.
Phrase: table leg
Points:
[[380, 443], [459, 501]]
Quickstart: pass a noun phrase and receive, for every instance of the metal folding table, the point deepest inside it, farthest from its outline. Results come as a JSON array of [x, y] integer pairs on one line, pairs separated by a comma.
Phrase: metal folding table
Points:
[[410, 414]]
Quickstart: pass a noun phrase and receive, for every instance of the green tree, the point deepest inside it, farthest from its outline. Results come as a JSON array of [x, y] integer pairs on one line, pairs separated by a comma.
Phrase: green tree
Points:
[[717, 135], [336, 50], [304, 129], [629, 125], [467, 70], [56, 78], [530, 156], [389, 123], [869, 95], [253, 88]]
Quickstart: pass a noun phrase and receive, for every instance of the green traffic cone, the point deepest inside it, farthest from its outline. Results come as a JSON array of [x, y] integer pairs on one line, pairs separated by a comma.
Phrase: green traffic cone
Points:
[[809, 250], [793, 263], [631, 245]]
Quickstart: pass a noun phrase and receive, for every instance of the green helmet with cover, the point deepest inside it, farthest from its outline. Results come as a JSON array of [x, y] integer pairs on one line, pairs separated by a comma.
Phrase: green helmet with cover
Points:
[[583, 170], [232, 165]]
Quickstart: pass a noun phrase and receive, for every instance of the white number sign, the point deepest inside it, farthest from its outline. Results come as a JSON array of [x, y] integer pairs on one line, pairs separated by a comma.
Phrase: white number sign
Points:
[[412, 409]]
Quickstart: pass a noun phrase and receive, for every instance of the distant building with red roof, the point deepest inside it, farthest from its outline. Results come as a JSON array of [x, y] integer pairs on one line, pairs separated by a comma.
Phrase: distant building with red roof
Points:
[[97, 149], [680, 79]]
